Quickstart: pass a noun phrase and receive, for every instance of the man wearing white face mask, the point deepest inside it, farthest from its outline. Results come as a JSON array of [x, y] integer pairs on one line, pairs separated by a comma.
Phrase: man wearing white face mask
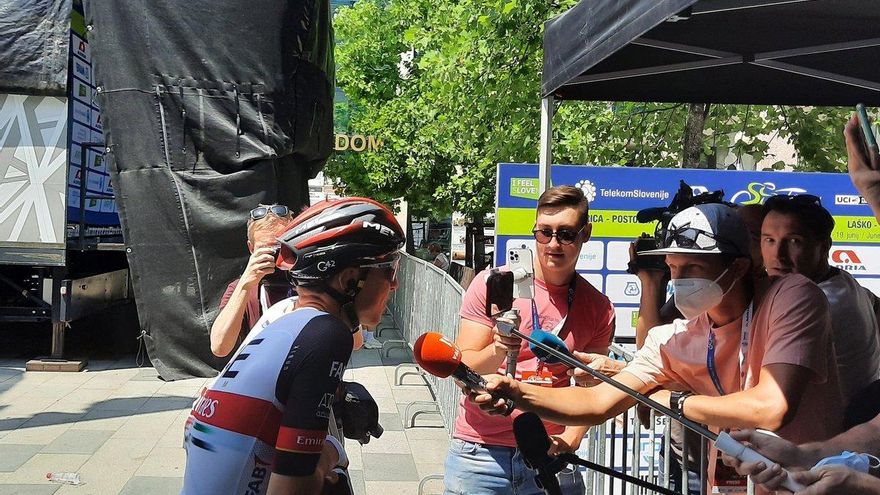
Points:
[[747, 356]]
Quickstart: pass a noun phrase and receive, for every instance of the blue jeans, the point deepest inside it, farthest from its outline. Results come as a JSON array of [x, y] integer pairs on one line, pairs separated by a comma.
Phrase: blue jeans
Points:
[[476, 469]]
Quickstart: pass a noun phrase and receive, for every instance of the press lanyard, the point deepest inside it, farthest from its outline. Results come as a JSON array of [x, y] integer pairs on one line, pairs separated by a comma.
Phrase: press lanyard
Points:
[[536, 325], [743, 351]]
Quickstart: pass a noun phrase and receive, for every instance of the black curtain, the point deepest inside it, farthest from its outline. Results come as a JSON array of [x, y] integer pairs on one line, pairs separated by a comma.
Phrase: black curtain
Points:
[[209, 107]]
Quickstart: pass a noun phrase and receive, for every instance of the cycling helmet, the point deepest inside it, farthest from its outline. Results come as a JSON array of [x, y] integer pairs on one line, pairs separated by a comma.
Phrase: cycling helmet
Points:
[[336, 234]]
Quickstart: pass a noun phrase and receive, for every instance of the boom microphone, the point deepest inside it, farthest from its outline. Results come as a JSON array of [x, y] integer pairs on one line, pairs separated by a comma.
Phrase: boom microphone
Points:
[[534, 443], [442, 358], [551, 341]]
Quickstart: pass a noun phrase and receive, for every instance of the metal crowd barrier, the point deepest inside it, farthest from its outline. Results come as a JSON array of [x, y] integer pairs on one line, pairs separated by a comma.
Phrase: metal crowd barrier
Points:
[[428, 299]]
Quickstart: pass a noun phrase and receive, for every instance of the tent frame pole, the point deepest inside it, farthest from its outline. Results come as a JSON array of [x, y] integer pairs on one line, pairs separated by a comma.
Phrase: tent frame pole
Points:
[[545, 157]]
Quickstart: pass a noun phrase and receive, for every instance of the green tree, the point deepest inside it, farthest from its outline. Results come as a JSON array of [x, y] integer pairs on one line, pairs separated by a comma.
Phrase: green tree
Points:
[[469, 99]]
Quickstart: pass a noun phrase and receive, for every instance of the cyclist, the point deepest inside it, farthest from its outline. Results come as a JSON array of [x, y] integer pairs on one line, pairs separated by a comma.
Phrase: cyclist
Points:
[[261, 426]]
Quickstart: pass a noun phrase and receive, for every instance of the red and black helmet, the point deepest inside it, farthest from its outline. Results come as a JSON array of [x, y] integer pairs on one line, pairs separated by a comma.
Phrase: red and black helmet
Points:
[[336, 234]]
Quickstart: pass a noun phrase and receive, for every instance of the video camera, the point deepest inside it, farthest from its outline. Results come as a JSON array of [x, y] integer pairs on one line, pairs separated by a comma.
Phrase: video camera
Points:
[[682, 200]]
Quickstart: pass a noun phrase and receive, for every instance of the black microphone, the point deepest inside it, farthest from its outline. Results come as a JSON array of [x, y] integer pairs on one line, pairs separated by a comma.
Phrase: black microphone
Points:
[[534, 443]]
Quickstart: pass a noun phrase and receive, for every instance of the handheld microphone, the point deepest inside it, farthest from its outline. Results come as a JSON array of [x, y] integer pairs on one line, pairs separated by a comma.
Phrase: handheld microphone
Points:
[[440, 357], [532, 440], [551, 341], [506, 324]]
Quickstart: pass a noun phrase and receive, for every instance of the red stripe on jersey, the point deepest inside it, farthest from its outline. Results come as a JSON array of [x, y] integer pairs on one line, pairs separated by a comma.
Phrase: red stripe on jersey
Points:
[[300, 441], [239, 413]]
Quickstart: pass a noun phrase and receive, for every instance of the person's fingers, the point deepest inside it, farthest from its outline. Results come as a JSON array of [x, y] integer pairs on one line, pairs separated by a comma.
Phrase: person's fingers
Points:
[[331, 478], [730, 461], [806, 478], [759, 475], [746, 435]]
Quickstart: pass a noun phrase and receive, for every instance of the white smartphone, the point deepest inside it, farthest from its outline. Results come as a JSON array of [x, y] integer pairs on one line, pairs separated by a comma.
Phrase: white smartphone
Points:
[[519, 260]]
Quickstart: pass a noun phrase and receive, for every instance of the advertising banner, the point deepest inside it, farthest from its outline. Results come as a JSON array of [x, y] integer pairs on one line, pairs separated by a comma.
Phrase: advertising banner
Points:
[[616, 194], [86, 128]]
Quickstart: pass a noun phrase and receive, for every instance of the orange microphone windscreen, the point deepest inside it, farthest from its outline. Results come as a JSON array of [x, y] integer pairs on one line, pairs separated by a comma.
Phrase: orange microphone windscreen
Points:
[[436, 354]]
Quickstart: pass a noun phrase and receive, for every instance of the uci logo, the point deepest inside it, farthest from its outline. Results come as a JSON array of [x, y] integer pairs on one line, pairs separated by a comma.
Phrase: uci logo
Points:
[[323, 266]]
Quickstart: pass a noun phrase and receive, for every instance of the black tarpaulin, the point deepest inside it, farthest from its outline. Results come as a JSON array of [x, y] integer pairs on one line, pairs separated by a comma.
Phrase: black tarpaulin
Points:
[[807, 52], [34, 40], [210, 107]]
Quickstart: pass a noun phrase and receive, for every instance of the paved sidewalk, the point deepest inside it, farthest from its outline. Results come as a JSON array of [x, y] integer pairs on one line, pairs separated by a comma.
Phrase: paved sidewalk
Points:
[[120, 427]]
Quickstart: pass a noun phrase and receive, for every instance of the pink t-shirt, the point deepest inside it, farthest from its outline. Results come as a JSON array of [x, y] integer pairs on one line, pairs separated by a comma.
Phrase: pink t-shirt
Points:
[[589, 326], [791, 325]]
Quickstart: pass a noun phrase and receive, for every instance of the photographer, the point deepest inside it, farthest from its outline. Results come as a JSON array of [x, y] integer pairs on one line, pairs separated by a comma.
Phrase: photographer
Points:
[[780, 377], [246, 298], [483, 458]]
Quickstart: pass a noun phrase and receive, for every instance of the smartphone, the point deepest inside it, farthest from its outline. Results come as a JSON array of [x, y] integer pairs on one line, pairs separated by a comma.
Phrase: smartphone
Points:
[[499, 292], [870, 140], [520, 262]]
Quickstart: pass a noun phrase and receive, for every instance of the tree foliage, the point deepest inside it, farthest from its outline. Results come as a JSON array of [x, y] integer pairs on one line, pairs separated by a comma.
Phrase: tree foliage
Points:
[[466, 96]]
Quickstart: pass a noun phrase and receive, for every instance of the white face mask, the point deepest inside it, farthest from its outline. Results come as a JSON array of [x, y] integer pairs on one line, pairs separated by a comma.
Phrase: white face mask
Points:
[[695, 296]]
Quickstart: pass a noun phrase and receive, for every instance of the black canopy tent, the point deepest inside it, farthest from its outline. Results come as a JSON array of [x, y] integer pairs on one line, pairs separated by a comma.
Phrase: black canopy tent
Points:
[[788, 52]]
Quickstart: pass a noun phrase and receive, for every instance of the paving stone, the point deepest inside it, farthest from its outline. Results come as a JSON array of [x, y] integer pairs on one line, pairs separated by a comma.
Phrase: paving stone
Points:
[[395, 487], [166, 403], [151, 485], [78, 442], [101, 419], [147, 375], [357, 481], [28, 489], [40, 435], [390, 421], [427, 433], [431, 451], [389, 467], [405, 395], [14, 455], [123, 404], [35, 469], [48, 418], [164, 462], [391, 442]]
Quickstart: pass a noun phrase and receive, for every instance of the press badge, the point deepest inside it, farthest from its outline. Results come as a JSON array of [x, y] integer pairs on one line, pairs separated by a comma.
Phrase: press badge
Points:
[[725, 479]]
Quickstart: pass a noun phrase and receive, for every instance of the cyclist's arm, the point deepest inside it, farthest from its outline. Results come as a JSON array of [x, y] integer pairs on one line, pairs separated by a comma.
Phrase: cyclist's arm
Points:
[[307, 385]]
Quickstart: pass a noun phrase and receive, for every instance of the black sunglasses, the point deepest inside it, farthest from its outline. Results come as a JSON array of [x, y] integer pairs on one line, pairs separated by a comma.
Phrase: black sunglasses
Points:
[[564, 236], [261, 211]]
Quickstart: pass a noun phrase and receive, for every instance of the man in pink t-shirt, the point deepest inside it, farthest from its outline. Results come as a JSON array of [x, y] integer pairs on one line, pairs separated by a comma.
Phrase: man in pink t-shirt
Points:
[[746, 357], [483, 458]]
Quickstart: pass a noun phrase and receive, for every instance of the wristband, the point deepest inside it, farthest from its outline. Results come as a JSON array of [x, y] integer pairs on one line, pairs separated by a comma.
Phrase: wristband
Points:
[[343, 458], [676, 401]]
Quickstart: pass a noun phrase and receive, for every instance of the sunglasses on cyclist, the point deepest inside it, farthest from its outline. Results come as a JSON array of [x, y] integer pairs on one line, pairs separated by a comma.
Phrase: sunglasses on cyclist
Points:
[[261, 211], [389, 268], [564, 236]]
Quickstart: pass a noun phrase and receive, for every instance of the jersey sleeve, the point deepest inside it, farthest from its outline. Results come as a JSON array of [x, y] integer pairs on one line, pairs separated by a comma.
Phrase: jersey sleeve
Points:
[[307, 386]]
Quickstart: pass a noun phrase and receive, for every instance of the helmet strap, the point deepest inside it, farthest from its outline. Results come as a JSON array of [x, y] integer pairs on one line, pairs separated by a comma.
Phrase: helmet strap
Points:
[[346, 300]]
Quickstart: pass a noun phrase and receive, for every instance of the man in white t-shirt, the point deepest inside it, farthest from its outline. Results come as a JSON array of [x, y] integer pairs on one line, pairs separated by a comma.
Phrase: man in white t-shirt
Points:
[[796, 238]]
